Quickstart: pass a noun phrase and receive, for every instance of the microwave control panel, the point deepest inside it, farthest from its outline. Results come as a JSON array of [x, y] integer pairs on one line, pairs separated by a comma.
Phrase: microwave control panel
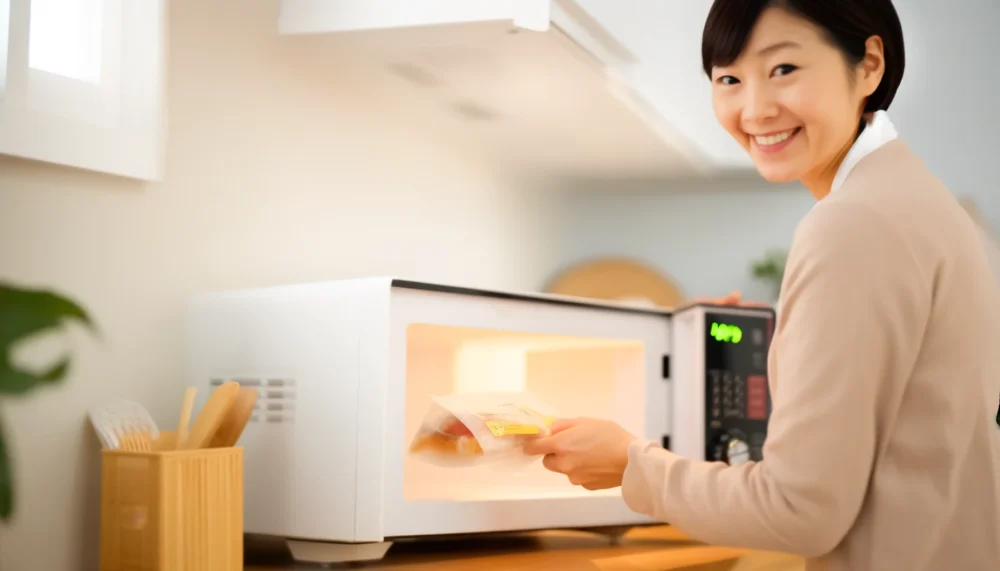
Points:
[[737, 398]]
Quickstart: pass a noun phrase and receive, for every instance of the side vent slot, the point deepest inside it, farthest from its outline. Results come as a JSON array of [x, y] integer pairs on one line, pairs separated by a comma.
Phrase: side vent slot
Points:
[[275, 401]]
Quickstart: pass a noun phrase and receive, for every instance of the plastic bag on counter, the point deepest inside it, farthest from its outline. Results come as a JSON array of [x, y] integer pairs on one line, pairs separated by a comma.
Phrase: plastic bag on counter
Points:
[[481, 428]]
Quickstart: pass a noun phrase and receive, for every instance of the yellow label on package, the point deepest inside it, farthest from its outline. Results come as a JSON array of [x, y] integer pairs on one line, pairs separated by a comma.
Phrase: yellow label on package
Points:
[[515, 424], [507, 428]]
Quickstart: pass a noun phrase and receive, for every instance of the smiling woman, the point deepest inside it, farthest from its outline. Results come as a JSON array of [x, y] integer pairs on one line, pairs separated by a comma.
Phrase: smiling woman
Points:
[[793, 85], [882, 450]]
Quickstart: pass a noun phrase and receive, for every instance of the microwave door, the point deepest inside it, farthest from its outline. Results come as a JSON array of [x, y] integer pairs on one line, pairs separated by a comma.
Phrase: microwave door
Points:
[[583, 360]]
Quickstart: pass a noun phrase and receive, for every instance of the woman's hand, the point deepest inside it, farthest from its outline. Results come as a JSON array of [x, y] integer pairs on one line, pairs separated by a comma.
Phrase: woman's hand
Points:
[[593, 453], [734, 298]]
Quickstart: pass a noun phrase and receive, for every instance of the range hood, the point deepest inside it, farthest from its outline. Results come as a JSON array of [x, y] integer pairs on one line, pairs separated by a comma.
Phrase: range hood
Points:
[[540, 86]]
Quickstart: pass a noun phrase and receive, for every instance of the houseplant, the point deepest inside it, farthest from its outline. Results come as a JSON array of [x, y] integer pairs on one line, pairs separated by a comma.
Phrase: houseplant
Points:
[[770, 269], [25, 313]]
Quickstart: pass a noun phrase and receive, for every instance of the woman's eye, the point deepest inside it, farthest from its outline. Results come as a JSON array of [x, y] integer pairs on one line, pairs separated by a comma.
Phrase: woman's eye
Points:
[[728, 80], [784, 69]]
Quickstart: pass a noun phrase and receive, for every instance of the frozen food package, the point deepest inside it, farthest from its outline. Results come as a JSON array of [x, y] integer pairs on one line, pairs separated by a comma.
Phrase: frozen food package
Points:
[[469, 429]]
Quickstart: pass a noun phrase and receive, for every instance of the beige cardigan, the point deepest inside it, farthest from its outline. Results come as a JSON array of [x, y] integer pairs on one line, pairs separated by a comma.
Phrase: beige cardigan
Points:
[[883, 451]]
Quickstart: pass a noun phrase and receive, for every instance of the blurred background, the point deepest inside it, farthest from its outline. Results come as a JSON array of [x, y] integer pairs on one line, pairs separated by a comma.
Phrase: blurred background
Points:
[[288, 148]]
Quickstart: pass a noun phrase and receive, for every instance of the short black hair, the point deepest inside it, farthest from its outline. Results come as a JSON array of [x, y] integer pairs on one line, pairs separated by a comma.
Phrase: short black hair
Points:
[[848, 25]]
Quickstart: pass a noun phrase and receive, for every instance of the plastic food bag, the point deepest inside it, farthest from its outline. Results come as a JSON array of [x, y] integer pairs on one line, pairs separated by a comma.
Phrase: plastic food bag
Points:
[[479, 428]]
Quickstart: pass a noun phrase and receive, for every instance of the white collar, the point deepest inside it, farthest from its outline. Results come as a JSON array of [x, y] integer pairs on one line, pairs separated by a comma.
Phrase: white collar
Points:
[[878, 132]]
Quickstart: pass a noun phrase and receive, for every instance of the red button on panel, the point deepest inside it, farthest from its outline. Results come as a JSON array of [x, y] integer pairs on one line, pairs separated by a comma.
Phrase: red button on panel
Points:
[[757, 397]]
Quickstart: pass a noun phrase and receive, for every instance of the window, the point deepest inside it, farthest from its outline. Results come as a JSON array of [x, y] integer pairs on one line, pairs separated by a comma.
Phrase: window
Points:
[[74, 59], [83, 84], [65, 38]]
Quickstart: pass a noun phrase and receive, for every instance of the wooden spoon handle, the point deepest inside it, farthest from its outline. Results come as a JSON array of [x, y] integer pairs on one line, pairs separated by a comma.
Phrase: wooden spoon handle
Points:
[[185, 419], [211, 415], [228, 433]]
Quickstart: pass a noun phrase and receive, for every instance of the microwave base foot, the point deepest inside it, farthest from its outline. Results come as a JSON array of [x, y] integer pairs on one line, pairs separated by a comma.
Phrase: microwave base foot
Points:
[[614, 533], [325, 553]]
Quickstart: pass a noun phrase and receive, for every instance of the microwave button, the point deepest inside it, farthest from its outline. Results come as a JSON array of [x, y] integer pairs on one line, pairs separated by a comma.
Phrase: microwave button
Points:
[[714, 379], [756, 402]]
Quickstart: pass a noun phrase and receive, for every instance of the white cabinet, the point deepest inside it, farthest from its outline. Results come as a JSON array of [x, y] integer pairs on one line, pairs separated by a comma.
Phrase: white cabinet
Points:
[[82, 84], [578, 89], [665, 37]]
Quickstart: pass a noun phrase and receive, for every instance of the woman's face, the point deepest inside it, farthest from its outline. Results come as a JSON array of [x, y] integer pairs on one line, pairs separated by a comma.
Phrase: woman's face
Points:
[[791, 99]]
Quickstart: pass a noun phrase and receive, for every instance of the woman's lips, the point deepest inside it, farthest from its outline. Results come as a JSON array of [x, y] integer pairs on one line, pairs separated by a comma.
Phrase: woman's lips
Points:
[[775, 142]]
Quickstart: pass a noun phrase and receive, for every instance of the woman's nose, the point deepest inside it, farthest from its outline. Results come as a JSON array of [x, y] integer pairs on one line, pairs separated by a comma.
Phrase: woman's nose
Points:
[[759, 106]]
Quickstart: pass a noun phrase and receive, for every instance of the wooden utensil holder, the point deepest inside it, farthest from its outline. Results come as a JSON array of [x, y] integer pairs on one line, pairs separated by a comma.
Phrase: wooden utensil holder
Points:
[[172, 510]]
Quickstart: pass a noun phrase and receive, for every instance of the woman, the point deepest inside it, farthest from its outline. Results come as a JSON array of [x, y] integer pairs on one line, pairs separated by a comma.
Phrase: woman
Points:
[[883, 453]]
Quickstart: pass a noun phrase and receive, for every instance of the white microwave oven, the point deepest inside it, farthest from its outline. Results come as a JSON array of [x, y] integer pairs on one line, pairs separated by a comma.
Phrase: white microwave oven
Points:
[[346, 371]]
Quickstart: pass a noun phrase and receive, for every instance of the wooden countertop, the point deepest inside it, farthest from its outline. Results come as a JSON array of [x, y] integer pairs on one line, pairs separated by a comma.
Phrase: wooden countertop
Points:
[[642, 549]]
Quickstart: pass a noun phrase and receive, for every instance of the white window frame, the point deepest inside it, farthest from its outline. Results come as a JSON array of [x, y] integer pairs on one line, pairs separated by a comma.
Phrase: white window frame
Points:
[[114, 126]]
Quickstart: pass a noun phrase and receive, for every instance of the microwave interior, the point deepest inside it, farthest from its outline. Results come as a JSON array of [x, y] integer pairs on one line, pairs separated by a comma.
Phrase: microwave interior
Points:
[[578, 376]]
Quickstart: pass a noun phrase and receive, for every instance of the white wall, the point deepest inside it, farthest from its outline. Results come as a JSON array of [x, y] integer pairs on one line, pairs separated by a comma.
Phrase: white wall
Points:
[[279, 171], [706, 235]]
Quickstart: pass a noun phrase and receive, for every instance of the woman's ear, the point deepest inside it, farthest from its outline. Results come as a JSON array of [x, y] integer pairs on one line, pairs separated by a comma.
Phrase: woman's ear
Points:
[[872, 66]]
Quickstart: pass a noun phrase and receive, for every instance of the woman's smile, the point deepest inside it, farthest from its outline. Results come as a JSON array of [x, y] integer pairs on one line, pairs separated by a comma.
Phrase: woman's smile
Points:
[[775, 141]]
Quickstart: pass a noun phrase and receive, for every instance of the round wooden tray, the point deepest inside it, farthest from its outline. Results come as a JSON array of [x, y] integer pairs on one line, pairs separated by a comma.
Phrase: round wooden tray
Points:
[[617, 279]]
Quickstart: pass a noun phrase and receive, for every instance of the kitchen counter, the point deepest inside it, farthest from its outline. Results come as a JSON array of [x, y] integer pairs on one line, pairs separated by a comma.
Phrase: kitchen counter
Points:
[[642, 549]]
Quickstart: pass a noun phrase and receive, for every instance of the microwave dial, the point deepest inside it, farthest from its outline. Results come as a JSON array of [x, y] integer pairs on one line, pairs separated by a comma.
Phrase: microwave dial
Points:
[[731, 448]]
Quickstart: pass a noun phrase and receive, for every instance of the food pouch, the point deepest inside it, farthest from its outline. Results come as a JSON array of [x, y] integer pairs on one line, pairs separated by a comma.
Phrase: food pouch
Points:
[[470, 429]]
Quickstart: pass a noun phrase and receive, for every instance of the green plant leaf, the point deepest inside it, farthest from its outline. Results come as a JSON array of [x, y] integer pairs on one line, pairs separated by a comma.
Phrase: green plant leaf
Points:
[[15, 382], [770, 269], [25, 312], [6, 480]]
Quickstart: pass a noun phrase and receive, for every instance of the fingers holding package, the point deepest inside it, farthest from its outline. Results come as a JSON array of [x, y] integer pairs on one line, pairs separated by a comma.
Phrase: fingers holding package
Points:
[[591, 452]]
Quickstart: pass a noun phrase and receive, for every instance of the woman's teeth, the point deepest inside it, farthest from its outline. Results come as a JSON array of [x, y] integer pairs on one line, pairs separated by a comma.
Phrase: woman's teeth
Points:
[[774, 139]]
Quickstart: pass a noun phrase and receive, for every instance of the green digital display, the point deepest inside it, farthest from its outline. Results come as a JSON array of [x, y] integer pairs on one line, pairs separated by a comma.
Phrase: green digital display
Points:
[[724, 333]]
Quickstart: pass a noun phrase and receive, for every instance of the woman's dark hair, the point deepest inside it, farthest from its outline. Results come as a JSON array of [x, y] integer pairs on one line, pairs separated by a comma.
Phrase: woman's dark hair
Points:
[[848, 25]]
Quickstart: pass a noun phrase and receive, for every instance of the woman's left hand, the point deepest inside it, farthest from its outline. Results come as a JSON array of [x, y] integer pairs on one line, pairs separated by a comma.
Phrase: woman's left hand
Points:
[[593, 453]]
